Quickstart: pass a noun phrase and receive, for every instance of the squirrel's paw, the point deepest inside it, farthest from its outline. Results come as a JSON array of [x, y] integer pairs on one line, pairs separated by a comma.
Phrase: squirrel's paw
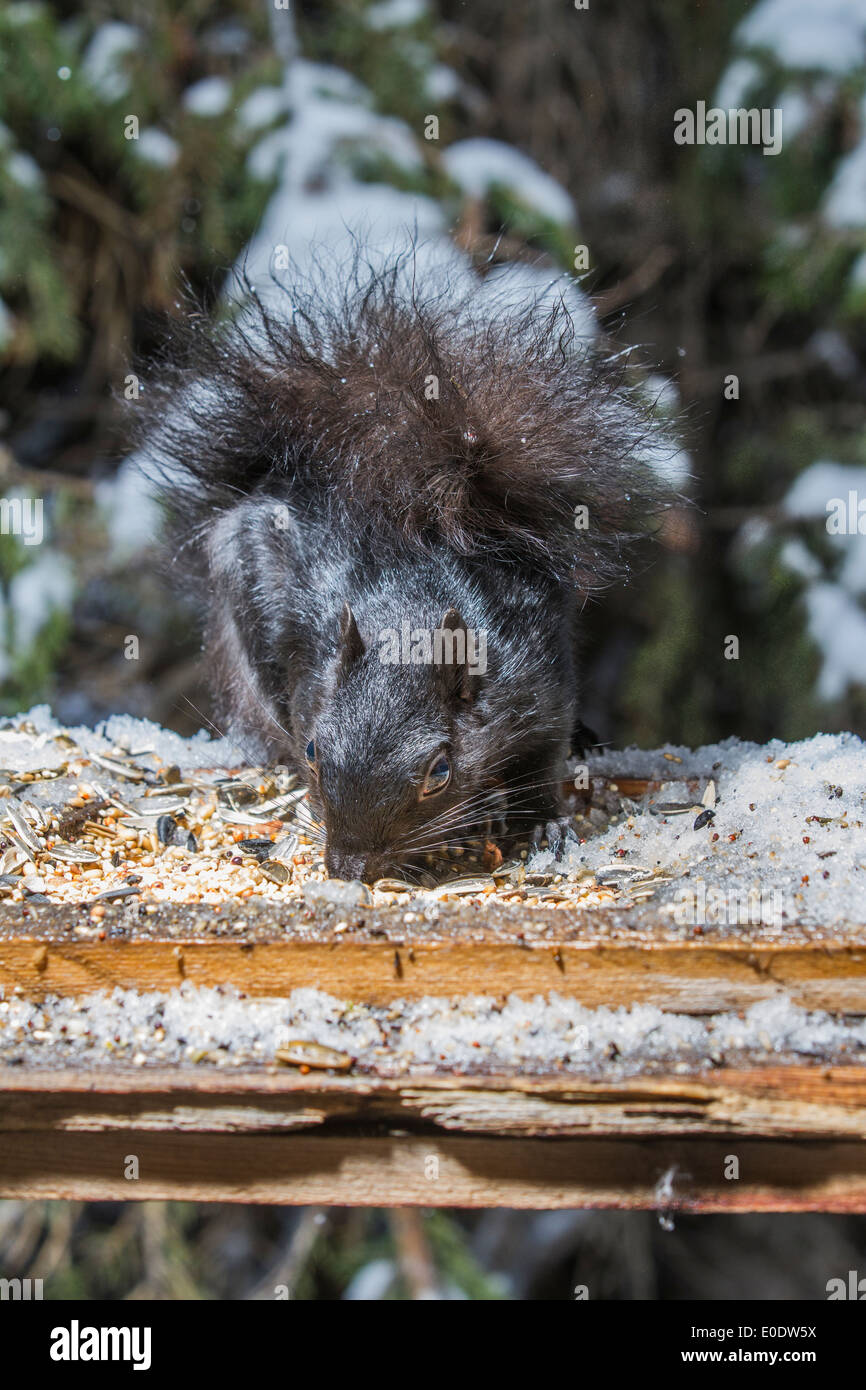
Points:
[[557, 833], [583, 738]]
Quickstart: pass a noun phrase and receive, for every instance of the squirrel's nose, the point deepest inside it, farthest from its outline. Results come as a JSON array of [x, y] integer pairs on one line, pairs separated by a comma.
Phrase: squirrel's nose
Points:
[[366, 867]]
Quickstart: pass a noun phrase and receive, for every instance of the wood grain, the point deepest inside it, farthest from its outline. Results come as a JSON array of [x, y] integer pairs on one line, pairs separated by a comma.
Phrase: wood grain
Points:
[[790, 1102], [437, 1171], [699, 976]]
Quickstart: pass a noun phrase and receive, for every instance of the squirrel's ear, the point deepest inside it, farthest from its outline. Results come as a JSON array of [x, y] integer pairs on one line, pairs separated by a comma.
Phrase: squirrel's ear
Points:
[[454, 672], [351, 642]]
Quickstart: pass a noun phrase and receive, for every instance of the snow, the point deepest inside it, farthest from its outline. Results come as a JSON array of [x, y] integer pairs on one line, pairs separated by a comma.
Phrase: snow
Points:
[[829, 37], [7, 324], [36, 591], [844, 203], [816, 485], [313, 140], [858, 272], [319, 202], [102, 65], [737, 82], [831, 347], [837, 625], [157, 148], [794, 810], [513, 287], [130, 509], [798, 558], [478, 165], [29, 750], [443, 84], [796, 111], [673, 466], [24, 170], [371, 1282], [209, 97], [262, 107], [321, 206], [395, 14], [836, 619], [220, 1025], [662, 391]]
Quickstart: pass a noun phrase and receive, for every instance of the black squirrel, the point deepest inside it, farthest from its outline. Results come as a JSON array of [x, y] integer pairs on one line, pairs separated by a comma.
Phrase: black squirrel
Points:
[[346, 471]]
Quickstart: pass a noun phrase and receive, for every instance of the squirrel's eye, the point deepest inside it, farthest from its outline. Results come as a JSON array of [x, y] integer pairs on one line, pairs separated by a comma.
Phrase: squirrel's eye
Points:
[[438, 776], [310, 752]]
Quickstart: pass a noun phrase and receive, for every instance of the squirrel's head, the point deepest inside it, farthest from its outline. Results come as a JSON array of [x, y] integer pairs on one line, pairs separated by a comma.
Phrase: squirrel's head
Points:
[[396, 756]]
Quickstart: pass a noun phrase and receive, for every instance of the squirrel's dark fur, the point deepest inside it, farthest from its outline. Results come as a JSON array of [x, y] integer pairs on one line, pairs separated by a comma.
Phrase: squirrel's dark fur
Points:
[[335, 469]]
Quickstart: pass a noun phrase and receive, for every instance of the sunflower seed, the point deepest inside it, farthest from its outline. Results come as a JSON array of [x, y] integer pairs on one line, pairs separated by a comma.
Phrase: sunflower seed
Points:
[[166, 830], [275, 872], [116, 894], [238, 795], [25, 834], [513, 866], [285, 849], [463, 887], [392, 885], [35, 814], [73, 854], [12, 858], [277, 804], [239, 817], [120, 767], [257, 849], [152, 807], [614, 873], [301, 1053]]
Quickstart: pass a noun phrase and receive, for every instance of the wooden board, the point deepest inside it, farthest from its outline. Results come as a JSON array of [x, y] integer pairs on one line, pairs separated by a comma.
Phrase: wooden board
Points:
[[796, 1134], [432, 1139], [595, 957]]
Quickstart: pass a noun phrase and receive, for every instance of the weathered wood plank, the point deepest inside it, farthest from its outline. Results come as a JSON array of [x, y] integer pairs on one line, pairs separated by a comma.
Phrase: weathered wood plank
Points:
[[794, 1102], [437, 1171], [698, 976]]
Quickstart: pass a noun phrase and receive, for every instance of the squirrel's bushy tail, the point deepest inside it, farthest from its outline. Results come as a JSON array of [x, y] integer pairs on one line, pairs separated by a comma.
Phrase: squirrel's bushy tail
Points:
[[414, 416]]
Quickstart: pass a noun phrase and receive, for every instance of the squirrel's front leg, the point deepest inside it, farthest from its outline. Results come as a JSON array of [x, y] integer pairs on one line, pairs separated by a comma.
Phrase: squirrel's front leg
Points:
[[558, 833]]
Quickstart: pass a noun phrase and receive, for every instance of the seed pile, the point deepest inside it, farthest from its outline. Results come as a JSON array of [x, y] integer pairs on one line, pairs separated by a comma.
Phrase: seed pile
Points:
[[712, 837], [121, 825]]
